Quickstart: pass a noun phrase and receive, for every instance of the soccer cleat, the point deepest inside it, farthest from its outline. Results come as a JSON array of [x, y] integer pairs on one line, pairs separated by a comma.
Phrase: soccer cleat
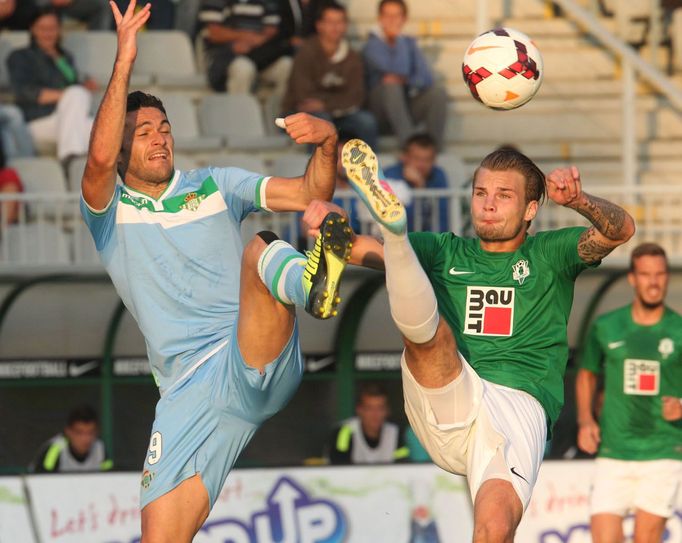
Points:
[[362, 168], [325, 265]]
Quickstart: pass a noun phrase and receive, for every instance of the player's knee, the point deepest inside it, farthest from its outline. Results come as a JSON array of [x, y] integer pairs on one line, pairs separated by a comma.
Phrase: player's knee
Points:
[[494, 530], [254, 248]]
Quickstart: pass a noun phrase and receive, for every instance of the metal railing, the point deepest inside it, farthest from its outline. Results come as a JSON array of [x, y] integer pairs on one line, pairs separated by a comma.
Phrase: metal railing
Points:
[[51, 236]]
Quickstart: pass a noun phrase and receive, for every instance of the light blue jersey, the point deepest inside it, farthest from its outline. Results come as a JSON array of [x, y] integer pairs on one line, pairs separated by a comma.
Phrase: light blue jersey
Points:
[[175, 262]]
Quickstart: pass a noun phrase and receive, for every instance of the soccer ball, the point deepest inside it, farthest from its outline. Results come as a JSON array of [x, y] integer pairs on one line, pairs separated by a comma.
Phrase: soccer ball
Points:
[[502, 68]]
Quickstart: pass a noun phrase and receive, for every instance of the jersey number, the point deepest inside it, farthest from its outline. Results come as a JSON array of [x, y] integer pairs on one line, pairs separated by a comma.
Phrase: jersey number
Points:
[[154, 449]]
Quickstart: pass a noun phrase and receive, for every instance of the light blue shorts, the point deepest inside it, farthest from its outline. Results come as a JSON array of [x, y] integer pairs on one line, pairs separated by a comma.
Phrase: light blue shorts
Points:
[[204, 423]]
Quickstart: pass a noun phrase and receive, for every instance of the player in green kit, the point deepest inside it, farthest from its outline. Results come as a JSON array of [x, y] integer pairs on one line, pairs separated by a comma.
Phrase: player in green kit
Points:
[[638, 348], [484, 384]]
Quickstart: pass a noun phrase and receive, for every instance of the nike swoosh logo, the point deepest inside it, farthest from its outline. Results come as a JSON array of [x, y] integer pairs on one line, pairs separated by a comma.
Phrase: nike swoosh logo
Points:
[[317, 365], [473, 50], [453, 271], [616, 344], [77, 371], [513, 470]]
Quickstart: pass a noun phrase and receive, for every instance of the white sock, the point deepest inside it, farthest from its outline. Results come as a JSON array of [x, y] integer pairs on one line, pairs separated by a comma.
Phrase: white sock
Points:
[[413, 302]]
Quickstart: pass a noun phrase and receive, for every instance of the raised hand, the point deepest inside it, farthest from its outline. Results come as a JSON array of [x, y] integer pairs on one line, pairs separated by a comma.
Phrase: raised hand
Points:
[[127, 26], [305, 128], [564, 186]]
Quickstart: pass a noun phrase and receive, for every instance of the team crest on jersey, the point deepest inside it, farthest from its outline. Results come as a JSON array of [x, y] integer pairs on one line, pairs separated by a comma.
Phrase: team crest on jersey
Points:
[[520, 271], [147, 478], [641, 377], [192, 201], [489, 311], [666, 347]]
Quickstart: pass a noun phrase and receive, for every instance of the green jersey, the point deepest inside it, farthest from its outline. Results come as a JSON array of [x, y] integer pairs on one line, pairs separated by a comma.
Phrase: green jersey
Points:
[[508, 311], [641, 364]]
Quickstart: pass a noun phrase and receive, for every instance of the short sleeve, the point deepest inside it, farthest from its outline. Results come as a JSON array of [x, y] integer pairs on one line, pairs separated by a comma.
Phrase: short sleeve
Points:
[[101, 222], [559, 248], [243, 191], [591, 355]]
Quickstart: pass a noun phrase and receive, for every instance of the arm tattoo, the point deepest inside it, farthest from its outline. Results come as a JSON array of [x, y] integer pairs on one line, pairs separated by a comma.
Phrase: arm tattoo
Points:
[[591, 249], [606, 217], [609, 220]]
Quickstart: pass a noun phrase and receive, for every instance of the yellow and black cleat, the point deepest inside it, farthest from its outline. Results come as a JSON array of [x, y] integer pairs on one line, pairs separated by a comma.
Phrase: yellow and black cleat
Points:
[[326, 262]]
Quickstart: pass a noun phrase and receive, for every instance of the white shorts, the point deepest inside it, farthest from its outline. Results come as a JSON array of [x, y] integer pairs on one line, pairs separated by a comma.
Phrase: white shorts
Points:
[[486, 431], [623, 485]]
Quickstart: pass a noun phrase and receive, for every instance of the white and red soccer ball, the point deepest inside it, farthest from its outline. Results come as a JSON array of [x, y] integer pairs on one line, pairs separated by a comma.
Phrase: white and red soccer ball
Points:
[[502, 68]]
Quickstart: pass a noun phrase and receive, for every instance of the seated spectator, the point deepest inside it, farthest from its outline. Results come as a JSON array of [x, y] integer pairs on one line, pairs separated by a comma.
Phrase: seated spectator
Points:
[[9, 184], [77, 448], [368, 438], [402, 91], [327, 79], [96, 14], [298, 20], [417, 167], [14, 135], [242, 41], [54, 100]]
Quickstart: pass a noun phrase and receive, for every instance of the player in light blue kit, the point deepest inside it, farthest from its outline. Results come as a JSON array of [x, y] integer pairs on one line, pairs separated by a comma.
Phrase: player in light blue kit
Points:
[[218, 318]]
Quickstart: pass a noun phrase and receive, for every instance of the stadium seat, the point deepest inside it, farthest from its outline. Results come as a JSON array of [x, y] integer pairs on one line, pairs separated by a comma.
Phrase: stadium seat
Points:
[[40, 175], [454, 168], [84, 251], [290, 165], [38, 243], [94, 53], [167, 56], [183, 118], [9, 41], [245, 161], [237, 118], [185, 162]]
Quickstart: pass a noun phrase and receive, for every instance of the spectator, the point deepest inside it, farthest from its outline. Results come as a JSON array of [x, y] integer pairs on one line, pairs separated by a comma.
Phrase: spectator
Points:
[[16, 14], [327, 78], [298, 20], [46, 87], [417, 167], [14, 135], [96, 14], [402, 91], [77, 448], [639, 434], [243, 41], [9, 184], [162, 15], [368, 438]]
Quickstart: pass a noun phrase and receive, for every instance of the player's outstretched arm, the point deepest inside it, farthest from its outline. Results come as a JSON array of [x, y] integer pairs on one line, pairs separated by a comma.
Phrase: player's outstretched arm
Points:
[[611, 224], [319, 179], [366, 251], [589, 434], [99, 178]]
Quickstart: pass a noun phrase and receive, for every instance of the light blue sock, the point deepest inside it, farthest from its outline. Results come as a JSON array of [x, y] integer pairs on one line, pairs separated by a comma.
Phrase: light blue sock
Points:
[[280, 267]]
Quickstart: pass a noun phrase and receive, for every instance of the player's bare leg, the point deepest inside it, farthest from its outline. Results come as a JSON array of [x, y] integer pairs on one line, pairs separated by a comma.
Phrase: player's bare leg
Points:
[[178, 515], [497, 512], [607, 528], [275, 277], [430, 349], [649, 528], [264, 325]]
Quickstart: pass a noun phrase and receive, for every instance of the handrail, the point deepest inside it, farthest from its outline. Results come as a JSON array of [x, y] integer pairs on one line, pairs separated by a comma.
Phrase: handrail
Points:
[[651, 74]]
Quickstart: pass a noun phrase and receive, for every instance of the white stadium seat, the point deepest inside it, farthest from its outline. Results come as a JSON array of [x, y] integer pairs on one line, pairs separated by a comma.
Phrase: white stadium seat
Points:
[[167, 56], [238, 118]]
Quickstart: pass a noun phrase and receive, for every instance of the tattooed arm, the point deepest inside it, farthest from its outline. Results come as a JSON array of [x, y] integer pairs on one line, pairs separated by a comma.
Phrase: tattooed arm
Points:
[[611, 224]]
